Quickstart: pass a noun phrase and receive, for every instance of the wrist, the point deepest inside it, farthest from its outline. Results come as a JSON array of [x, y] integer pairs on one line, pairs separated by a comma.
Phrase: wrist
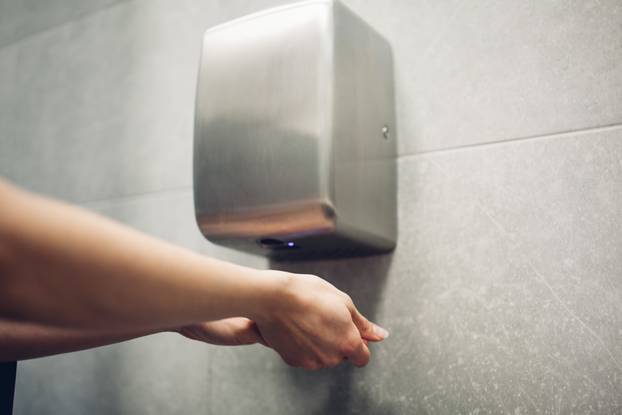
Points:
[[268, 294]]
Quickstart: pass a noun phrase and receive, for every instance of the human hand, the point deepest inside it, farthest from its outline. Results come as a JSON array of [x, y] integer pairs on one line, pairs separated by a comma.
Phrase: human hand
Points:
[[236, 331], [313, 325]]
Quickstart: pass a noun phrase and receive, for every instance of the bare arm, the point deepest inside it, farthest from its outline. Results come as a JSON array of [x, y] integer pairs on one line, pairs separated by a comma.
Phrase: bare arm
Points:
[[63, 266], [20, 341]]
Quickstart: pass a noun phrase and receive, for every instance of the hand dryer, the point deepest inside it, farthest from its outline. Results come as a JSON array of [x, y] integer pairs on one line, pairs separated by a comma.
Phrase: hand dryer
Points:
[[295, 144]]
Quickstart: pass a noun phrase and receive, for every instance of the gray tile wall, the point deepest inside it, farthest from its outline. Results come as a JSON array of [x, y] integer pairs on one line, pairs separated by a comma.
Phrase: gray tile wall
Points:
[[503, 295], [20, 19]]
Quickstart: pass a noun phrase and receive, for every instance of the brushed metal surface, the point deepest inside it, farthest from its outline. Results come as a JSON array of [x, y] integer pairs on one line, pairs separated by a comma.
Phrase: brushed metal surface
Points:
[[289, 145]]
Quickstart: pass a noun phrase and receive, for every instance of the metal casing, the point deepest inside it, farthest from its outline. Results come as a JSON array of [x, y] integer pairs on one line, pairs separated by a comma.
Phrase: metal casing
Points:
[[294, 151]]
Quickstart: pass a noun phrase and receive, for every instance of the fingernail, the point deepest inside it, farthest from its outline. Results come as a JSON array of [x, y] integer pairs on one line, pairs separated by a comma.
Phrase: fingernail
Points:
[[379, 331]]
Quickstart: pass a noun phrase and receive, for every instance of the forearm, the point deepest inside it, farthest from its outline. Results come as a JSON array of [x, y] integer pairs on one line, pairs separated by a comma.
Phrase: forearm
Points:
[[19, 341], [67, 266]]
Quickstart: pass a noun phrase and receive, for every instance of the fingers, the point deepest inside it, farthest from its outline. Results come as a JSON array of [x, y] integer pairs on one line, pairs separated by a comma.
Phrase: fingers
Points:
[[360, 356], [248, 333], [369, 331], [312, 328], [258, 337], [234, 331]]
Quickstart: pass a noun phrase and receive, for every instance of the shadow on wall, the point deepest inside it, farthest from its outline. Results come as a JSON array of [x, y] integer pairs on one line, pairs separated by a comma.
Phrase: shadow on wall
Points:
[[364, 280]]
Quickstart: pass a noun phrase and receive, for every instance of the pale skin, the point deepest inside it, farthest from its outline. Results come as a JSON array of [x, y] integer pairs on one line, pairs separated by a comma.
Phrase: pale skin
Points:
[[71, 280]]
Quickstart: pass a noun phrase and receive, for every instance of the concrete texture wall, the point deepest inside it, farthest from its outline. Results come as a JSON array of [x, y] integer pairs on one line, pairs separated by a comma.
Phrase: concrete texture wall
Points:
[[504, 294]]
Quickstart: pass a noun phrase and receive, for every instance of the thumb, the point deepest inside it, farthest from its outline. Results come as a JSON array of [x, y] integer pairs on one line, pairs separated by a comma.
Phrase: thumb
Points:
[[369, 331], [248, 333]]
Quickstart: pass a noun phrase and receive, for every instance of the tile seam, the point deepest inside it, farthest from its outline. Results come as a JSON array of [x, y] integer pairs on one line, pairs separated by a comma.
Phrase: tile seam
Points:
[[169, 191], [25, 38], [132, 197], [486, 144]]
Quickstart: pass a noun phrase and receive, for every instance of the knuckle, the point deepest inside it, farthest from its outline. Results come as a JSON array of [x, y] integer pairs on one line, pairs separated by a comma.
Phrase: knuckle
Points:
[[365, 327], [364, 359], [348, 300], [330, 361], [334, 361], [350, 346]]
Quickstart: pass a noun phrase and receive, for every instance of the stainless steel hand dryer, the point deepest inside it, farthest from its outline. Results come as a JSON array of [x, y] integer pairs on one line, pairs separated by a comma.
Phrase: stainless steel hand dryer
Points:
[[295, 145]]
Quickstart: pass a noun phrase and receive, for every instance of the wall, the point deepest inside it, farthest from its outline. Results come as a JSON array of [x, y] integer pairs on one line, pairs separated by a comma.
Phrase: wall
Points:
[[503, 295]]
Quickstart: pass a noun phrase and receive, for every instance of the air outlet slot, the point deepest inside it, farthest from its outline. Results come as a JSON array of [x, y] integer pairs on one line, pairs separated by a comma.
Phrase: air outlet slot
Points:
[[271, 242]]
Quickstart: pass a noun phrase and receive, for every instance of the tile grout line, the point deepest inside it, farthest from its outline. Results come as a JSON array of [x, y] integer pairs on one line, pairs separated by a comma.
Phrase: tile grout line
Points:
[[128, 198], [80, 16], [102, 203], [561, 134]]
